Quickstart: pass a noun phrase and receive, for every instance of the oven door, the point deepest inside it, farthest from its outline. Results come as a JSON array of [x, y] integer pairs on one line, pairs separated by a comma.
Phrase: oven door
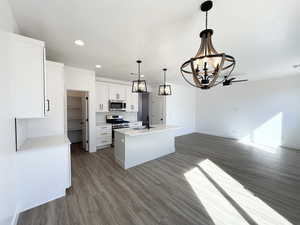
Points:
[[117, 106]]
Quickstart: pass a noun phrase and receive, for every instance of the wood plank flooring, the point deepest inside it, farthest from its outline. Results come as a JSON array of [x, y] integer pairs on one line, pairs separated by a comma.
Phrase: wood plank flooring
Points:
[[208, 181]]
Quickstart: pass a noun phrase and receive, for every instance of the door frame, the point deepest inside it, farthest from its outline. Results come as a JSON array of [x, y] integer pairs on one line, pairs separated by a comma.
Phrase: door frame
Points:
[[87, 93]]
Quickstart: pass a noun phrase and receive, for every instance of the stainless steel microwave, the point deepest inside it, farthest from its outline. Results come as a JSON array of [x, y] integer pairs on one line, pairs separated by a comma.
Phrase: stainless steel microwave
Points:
[[117, 105]]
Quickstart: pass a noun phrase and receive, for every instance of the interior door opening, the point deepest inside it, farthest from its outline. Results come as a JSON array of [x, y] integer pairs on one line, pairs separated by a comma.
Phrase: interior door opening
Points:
[[157, 109], [78, 120]]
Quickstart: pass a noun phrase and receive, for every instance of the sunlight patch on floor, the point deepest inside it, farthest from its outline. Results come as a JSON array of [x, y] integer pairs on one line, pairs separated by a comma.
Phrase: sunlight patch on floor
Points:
[[217, 206], [258, 210]]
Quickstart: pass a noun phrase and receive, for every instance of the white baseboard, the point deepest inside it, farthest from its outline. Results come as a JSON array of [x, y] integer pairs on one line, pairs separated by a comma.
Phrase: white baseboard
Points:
[[36, 204]]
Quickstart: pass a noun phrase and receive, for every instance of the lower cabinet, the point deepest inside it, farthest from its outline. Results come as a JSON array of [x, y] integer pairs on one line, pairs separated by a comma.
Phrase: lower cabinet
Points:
[[43, 168], [103, 136]]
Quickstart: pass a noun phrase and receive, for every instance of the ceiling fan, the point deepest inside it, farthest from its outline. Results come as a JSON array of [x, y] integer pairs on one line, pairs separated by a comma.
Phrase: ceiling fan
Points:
[[229, 81]]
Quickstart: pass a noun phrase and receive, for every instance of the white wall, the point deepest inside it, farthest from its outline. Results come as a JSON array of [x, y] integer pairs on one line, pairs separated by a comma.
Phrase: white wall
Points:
[[83, 80], [7, 20], [181, 108], [266, 111], [8, 206]]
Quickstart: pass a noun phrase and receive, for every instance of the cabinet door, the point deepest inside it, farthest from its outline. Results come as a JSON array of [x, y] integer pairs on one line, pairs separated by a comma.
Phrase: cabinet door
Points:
[[117, 92], [101, 97], [28, 74], [135, 102], [54, 124], [131, 101]]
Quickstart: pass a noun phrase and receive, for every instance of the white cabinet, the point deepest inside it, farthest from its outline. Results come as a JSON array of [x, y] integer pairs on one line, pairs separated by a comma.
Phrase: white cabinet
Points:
[[132, 101], [54, 123], [28, 75], [102, 97], [103, 135], [117, 92], [43, 171], [106, 92]]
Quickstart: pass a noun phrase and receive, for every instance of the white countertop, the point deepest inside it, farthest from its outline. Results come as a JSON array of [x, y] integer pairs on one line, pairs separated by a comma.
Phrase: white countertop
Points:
[[44, 142], [155, 129]]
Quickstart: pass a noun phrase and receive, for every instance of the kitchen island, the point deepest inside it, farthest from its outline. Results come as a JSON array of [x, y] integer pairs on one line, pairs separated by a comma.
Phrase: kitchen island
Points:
[[136, 146]]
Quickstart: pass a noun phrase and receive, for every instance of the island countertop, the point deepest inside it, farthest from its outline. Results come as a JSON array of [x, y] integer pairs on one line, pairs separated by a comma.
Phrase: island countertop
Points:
[[153, 129]]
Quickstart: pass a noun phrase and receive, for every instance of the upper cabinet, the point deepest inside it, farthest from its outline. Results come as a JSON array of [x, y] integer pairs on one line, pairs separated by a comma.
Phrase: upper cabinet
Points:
[[102, 96], [117, 92], [28, 76], [109, 91], [132, 101]]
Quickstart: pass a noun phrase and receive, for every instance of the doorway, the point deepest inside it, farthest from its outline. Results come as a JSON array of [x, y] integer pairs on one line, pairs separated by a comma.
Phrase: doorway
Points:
[[77, 120], [157, 109], [143, 112]]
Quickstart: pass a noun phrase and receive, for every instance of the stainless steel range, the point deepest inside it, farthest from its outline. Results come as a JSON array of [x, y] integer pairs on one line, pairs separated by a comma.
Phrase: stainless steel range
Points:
[[117, 122]]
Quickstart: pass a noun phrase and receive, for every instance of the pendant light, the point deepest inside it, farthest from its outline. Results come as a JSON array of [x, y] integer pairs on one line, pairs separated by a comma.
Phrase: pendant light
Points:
[[164, 89], [139, 86], [204, 70]]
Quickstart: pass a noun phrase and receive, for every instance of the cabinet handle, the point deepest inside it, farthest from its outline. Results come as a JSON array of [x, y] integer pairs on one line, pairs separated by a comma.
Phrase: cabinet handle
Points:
[[16, 134], [48, 102]]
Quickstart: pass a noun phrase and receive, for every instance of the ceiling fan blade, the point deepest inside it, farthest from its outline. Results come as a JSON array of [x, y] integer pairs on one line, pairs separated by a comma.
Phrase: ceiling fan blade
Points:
[[231, 79], [235, 81]]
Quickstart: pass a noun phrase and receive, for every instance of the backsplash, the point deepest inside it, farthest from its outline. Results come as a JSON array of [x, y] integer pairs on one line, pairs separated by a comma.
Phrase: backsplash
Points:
[[130, 116]]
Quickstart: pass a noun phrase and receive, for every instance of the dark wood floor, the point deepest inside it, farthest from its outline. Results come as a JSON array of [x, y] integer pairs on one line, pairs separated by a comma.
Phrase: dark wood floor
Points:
[[209, 180]]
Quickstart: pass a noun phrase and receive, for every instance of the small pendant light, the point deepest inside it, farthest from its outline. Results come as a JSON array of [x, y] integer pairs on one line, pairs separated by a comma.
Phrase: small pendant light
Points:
[[139, 86], [164, 89]]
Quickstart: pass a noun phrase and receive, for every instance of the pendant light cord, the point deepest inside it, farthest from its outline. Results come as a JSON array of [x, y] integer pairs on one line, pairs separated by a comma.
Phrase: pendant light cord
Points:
[[139, 69], [165, 70]]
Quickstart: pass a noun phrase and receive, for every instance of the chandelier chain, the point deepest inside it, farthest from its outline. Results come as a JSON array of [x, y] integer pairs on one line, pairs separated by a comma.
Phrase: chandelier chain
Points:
[[206, 18]]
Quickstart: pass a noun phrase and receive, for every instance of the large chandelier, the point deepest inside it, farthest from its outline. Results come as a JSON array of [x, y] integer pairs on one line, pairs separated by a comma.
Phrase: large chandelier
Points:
[[204, 70], [139, 86]]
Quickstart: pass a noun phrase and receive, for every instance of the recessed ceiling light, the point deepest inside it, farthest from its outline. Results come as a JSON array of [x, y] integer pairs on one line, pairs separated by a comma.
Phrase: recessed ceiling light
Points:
[[98, 66], [79, 42]]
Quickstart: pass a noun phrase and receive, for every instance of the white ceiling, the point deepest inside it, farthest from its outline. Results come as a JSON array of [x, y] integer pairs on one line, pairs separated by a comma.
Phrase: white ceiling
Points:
[[263, 35]]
